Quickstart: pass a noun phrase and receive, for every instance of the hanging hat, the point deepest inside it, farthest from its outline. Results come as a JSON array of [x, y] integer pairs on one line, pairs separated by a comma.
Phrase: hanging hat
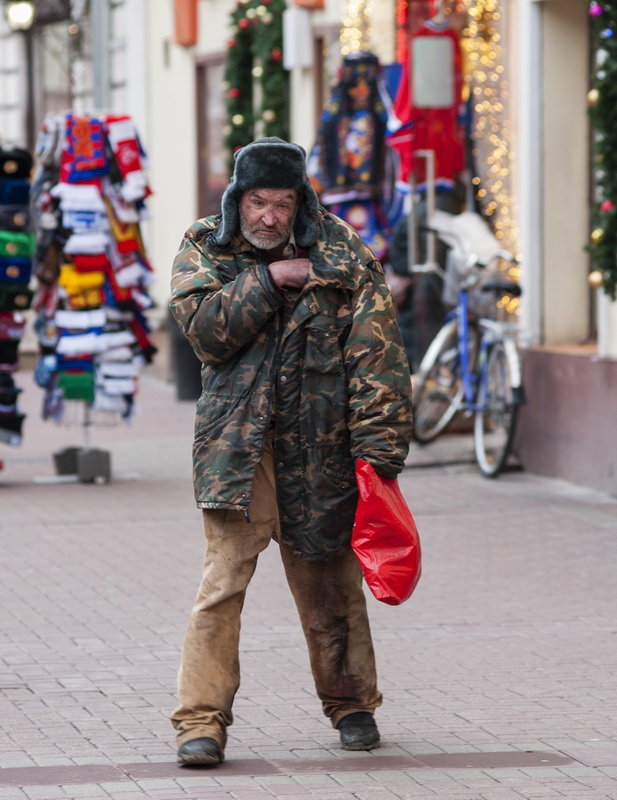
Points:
[[270, 163], [15, 163], [14, 192], [14, 218]]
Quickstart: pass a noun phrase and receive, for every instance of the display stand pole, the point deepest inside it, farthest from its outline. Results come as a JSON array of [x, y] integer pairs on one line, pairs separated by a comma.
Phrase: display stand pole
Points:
[[86, 426], [413, 228]]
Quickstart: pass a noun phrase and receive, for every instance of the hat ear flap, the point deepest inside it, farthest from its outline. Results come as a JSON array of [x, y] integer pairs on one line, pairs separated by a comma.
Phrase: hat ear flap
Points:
[[229, 216], [306, 226]]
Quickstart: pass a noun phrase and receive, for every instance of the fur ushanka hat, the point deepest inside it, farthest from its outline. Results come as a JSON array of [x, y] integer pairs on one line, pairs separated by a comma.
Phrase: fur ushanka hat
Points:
[[270, 163]]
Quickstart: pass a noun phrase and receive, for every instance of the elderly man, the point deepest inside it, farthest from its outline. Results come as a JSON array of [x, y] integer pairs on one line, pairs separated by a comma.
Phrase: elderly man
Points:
[[303, 373]]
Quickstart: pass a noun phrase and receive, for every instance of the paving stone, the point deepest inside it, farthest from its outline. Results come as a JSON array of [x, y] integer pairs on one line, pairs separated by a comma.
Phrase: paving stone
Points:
[[44, 792], [11, 793]]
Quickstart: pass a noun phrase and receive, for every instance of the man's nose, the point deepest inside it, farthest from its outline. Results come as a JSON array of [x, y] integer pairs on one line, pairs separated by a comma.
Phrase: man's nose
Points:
[[268, 217]]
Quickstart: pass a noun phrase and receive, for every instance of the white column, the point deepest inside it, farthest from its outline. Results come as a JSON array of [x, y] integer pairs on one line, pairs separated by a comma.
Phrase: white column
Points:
[[607, 326], [298, 59], [565, 71], [169, 136], [302, 122], [530, 188]]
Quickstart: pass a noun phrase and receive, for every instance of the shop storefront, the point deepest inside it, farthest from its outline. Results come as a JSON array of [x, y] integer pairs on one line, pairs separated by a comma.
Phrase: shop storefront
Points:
[[570, 321], [520, 129], [497, 89]]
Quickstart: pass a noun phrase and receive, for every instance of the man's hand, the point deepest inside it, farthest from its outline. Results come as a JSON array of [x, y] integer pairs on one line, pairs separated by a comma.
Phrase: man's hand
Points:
[[291, 273]]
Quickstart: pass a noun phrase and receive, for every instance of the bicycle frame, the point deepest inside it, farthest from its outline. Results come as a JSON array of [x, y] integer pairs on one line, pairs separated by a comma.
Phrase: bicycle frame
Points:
[[468, 376], [472, 364], [490, 331]]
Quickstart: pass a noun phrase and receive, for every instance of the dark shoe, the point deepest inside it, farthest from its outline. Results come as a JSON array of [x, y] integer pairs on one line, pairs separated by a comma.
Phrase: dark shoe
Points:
[[204, 752], [358, 731]]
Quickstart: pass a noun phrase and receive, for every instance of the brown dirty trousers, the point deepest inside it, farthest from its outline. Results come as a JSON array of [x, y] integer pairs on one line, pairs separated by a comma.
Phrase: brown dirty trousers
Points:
[[330, 602]]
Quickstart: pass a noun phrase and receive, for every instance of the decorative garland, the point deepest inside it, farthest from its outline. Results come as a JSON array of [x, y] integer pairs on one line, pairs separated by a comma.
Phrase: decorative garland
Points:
[[602, 101], [255, 52]]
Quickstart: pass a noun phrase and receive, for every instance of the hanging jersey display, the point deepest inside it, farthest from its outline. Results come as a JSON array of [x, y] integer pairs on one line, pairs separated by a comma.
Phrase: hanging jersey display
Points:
[[347, 164], [91, 264], [425, 127], [16, 251]]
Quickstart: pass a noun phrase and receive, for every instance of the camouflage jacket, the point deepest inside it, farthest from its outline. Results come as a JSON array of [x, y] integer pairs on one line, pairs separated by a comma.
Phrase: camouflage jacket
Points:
[[336, 375]]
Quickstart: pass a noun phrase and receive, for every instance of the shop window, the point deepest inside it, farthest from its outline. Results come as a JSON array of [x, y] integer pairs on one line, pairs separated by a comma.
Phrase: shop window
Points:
[[326, 60], [211, 156]]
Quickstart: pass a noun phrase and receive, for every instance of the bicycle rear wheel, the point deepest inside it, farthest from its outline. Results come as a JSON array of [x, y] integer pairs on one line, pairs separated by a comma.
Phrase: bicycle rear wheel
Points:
[[439, 390], [497, 412]]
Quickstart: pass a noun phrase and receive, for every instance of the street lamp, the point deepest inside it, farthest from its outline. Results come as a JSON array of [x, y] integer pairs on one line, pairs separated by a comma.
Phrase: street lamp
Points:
[[20, 15]]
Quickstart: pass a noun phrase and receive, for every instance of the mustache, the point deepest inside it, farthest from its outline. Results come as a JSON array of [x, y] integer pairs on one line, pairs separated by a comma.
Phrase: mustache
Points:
[[252, 233]]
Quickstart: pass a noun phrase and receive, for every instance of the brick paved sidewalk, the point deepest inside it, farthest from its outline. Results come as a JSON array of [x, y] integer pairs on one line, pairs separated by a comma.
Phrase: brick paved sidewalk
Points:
[[499, 675]]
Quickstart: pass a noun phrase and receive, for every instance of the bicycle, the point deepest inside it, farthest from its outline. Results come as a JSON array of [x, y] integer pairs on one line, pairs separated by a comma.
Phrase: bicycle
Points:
[[472, 366]]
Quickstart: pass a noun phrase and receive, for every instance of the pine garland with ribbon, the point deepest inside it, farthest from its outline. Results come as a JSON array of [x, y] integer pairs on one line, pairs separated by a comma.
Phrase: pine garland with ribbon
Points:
[[255, 53], [602, 100]]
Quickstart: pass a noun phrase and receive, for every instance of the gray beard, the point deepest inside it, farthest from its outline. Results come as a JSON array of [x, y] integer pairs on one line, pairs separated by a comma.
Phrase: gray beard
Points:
[[260, 242]]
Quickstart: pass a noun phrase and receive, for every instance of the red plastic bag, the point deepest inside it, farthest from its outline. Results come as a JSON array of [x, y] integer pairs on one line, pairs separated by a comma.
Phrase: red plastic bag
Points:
[[385, 538]]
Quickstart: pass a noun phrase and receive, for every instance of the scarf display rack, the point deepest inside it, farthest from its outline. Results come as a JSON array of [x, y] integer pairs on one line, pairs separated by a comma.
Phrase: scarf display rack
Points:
[[16, 251], [93, 276]]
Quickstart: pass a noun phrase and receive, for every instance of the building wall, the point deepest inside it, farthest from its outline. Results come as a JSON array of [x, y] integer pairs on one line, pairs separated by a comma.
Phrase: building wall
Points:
[[567, 428], [170, 140], [606, 312], [12, 86], [565, 70], [171, 97], [153, 79], [304, 117]]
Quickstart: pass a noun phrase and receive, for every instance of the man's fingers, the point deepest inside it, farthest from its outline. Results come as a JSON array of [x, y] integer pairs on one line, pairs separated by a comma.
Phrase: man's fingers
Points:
[[292, 272]]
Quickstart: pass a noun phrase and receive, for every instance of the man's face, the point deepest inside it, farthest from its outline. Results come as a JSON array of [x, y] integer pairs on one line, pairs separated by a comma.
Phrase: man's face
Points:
[[267, 215]]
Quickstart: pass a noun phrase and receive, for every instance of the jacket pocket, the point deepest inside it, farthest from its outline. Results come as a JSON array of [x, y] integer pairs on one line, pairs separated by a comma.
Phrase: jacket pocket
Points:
[[342, 481], [212, 413], [324, 345]]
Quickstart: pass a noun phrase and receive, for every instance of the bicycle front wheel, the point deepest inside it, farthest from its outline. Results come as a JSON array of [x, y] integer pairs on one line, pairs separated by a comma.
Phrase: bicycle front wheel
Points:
[[439, 390], [497, 410]]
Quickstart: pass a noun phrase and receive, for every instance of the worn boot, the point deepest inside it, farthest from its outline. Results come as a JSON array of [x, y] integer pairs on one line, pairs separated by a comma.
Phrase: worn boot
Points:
[[358, 731], [203, 752]]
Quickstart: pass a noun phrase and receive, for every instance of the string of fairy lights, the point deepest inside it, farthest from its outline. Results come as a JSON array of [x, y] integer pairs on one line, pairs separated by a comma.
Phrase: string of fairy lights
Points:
[[482, 42], [355, 34], [491, 134]]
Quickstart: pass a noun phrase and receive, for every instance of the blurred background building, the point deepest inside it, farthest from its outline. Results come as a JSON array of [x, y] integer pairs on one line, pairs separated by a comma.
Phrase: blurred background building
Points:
[[200, 76]]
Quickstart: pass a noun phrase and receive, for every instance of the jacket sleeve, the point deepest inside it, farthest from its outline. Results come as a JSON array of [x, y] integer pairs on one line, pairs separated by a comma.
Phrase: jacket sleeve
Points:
[[218, 315], [379, 382]]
